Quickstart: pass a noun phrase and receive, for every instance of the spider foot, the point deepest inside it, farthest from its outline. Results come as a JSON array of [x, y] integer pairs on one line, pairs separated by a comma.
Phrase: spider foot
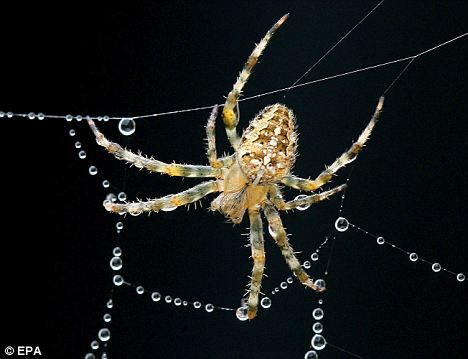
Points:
[[309, 283], [252, 312], [112, 207]]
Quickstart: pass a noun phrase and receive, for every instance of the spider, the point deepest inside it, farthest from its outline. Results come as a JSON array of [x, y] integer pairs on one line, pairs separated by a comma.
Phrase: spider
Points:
[[249, 179]]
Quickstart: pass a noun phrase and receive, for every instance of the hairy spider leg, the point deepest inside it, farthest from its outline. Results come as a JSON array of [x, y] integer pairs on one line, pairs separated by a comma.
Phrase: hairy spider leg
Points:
[[258, 256], [305, 201], [211, 140], [281, 238], [167, 203], [230, 116], [347, 157], [213, 159], [151, 164]]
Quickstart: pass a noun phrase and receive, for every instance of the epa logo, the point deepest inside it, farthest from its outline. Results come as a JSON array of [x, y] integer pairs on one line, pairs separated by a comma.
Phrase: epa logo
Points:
[[23, 350]]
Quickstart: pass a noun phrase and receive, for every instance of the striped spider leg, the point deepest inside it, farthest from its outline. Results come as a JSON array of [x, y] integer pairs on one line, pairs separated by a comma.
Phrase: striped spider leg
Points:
[[347, 157], [165, 203], [230, 115]]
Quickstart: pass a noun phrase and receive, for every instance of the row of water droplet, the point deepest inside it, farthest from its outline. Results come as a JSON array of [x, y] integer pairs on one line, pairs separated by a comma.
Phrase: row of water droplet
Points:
[[126, 124], [342, 225]]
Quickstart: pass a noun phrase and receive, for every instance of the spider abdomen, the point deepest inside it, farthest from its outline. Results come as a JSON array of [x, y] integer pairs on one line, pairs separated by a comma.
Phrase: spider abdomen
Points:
[[268, 146]]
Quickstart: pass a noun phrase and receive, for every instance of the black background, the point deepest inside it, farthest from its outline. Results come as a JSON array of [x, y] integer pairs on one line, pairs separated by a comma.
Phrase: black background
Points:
[[137, 57]]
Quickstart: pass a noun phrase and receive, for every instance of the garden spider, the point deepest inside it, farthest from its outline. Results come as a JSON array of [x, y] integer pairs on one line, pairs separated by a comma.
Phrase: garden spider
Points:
[[248, 179]]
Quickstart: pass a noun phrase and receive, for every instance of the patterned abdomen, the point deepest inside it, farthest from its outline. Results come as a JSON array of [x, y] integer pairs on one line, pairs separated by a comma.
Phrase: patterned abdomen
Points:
[[267, 149]]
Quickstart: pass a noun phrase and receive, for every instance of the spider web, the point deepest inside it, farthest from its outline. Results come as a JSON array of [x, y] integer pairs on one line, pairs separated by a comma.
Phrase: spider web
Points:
[[407, 185]]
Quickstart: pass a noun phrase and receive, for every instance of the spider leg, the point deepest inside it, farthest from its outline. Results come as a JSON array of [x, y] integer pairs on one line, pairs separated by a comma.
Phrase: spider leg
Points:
[[230, 115], [150, 164], [347, 157], [258, 256], [211, 140], [305, 201], [167, 203], [213, 159], [279, 235]]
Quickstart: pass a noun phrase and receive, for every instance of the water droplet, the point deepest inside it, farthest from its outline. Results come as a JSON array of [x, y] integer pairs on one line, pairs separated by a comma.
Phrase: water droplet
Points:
[[79, 118], [241, 314], [317, 313], [82, 154], [72, 132], [107, 317], [303, 207], [89, 356], [105, 184], [9, 114], [111, 197], [341, 224], [209, 308], [109, 304], [311, 354], [40, 116], [306, 265], [31, 115], [127, 126], [197, 305], [460, 277], [117, 251], [184, 303], [122, 196], [413, 257], [436, 267], [277, 289], [177, 302], [93, 170], [168, 299], [77, 144], [94, 344], [2, 114], [314, 256], [140, 289], [317, 327], [320, 301], [104, 334], [105, 118], [283, 285], [265, 302], [155, 296], [289, 280], [318, 342], [380, 240], [320, 283], [116, 263], [69, 118], [119, 226], [104, 356], [118, 280]]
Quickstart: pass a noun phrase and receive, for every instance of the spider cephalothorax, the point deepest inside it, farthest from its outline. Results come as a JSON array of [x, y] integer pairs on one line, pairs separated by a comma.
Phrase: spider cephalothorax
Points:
[[247, 180]]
